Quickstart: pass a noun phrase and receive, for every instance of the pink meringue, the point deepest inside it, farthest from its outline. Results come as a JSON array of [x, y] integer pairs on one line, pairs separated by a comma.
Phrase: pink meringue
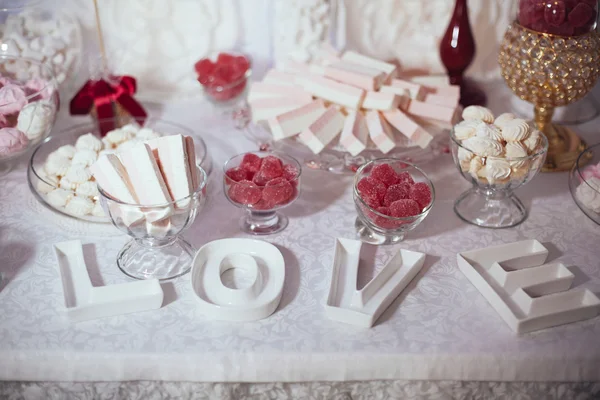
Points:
[[12, 99], [12, 140], [37, 86]]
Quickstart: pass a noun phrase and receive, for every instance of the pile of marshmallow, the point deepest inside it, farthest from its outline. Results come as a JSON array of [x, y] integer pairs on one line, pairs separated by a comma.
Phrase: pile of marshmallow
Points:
[[53, 41], [67, 180], [588, 191], [493, 149], [154, 179], [354, 99], [26, 113]]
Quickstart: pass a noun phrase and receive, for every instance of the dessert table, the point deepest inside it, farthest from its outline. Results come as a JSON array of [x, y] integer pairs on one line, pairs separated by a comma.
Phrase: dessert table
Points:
[[439, 339]]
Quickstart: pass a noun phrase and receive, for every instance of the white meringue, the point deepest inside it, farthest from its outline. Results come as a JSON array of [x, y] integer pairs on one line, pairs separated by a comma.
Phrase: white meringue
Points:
[[478, 113], [79, 206], [88, 142], [476, 165], [502, 119], [488, 131], [35, 119], [66, 151], [98, 211], [497, 170], [533, 141], [59, 197], [588, 194], [87, 189], [515, 150], [118, 136], [133, 128], [85, 157], [147, 134], [66, 184], [466, 129], [47, 183], [515, 130], [78, 173], [57, 165], [464, 154], [483, 147]]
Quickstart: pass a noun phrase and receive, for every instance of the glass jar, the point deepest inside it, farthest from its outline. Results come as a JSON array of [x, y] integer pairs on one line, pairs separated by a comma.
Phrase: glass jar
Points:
[[36, 30], [558, 17]]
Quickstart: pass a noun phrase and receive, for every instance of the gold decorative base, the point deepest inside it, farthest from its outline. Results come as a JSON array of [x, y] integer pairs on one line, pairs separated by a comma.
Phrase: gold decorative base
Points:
[[564, 146]]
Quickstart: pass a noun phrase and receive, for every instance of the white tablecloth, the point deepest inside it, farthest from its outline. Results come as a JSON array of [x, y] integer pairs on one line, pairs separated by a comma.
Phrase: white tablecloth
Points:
[[440, 328]]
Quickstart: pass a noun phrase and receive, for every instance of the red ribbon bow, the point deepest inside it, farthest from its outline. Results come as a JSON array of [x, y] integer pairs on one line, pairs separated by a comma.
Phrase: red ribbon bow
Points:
[[101, 94]]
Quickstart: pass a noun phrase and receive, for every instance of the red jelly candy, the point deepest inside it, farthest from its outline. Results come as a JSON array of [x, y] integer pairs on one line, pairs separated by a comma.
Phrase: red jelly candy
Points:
[[251, 163], [385, 173], [371, 188], [241, 63], [262, 205], [372, 202], [383, 222], [270, 168], [290, 173], [245, 192], [580, 15], [404, 208], [405, 177], [278, 191], [238, 174], [555, 13], [421, 193], [225, 59], [204, 68], [272, 162], [396, 192]]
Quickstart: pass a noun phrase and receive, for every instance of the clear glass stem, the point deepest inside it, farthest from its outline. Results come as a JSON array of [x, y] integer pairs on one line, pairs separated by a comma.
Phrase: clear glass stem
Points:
[[263, 222], [156, 243]]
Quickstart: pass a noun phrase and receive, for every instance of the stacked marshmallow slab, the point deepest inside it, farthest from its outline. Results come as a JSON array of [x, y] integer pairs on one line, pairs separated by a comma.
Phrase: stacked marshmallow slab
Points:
[[362, 100], [67, 180], [151, 180], [495, 150]]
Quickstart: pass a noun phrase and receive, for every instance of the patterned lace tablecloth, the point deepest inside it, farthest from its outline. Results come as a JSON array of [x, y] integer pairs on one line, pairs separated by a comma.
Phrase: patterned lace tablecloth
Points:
[[440, 328]]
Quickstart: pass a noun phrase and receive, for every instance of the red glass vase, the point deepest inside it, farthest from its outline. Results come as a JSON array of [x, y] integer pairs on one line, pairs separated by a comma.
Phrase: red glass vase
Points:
[[457, 51]]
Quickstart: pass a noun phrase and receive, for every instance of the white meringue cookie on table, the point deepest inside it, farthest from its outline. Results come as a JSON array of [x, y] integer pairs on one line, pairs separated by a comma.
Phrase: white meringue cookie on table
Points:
[[79, 206], [478, 113], [483, 147], [88, 142], [466, 129], [67, 150], [59, 197], [85, 157], [516, 130], [488, 131], [57, 165], [502, 119]]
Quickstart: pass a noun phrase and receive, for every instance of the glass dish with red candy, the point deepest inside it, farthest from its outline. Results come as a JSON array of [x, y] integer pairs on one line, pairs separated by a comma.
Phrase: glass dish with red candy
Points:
[[262, 183], [558, 17], [224, 76], [391, 197]]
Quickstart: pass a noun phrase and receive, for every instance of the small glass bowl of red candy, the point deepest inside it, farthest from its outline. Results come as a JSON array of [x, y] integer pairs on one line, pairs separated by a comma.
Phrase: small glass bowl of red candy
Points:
[[392, 197], [262, 182], [224, 76], [559, 17]]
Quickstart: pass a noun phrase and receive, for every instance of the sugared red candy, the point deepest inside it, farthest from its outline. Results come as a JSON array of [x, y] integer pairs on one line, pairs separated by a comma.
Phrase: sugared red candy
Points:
[[369, 187], [290, 173], [395, 192], [385, 173], [405, 177], [251, 163], [420, 193], [404, 208], [559, 17], [238, 174], [245, 192], [270, 168], [277, 191], [225, 78]]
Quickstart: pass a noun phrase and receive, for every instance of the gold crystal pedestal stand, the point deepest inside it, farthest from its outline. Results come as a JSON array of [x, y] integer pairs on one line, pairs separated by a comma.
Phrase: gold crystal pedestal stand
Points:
[[550, 71]]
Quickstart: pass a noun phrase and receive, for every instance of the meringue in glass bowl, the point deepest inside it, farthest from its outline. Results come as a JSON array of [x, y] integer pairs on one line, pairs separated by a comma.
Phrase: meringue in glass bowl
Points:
[[584, 182]]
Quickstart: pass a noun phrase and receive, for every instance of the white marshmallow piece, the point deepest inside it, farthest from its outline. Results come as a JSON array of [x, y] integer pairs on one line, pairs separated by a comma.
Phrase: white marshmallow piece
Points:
[[356, 75], [355, 133], [265, 90], [264, 109], [335, 92], [293, 122], [384, 101], [321, 132], [380, 132], [415, 91], [390, 70], [409, 128], [147, 181]]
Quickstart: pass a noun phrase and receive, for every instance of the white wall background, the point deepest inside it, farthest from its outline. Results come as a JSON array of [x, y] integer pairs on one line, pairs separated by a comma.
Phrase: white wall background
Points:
[[158, 41]]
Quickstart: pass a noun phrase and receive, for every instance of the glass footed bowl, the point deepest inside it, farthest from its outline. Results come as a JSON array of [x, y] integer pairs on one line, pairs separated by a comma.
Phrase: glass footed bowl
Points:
[[491, 203], [377, 228], [25, 121], [227, 94], [156, 249], [262, 216], [41, 184], [584, 182]]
